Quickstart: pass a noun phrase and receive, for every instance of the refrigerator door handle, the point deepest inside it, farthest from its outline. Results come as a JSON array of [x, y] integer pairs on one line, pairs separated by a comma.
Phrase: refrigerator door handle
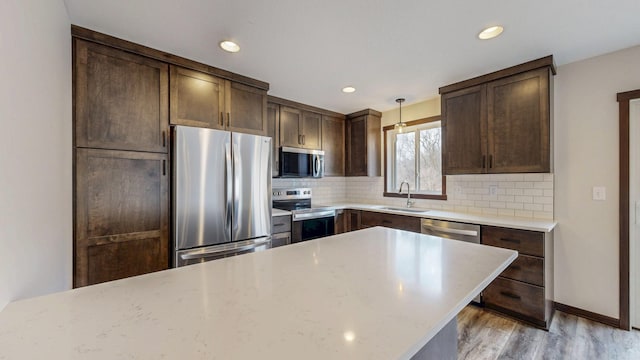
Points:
[[228, 189], [226, 249]]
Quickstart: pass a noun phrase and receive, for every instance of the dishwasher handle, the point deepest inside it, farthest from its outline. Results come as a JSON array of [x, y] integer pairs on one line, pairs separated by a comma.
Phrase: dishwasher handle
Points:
[[451, 231]]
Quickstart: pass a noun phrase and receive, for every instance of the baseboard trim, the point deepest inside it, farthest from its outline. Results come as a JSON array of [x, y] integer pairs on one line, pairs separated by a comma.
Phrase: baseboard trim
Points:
[[587, 315]]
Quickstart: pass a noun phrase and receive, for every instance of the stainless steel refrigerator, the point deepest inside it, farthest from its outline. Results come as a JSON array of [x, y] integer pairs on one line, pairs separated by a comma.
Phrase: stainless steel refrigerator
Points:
[[221, 194]]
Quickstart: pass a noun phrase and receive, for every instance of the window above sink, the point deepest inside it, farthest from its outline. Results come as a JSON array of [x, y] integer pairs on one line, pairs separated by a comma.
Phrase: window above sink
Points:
[[414, 155]]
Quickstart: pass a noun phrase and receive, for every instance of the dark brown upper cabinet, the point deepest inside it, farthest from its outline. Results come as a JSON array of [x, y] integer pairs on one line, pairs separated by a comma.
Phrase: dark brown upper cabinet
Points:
[[464, 145], [203, 100], [333, 145], [273, 129], [247, 109], [121, 214], [363, 152], [121, 99], [500, 122], [197, 99], [290, 120], [300, 128]]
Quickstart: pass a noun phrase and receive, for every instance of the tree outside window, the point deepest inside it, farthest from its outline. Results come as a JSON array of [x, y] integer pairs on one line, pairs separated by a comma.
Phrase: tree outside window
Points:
[[415, 156]]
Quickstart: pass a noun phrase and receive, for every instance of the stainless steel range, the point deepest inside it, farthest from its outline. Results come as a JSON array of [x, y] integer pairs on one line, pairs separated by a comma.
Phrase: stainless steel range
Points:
[[308, 222]]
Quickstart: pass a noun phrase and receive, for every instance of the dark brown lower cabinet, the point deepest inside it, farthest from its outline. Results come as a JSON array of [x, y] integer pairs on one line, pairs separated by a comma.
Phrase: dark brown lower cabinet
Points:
[[341, 221], [525, 289], [400, 222], [121, 214]]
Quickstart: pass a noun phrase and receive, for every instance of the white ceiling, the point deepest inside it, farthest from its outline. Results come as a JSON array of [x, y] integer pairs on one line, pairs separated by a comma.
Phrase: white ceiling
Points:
[[309, 49]]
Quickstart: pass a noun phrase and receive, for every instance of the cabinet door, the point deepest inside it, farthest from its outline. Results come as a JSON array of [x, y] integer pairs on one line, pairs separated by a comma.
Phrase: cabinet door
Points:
[[464, 131], [273, 129], [247, 109], [340, 221], [197, 99], [400, 222], [519, 123], [121, 215], [356, 149], [311, 130], [290, 120], [333, 146], [121, 99]]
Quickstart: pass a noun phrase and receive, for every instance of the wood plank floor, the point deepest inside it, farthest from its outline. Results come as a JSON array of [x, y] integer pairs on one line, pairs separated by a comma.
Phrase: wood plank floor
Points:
[[486, 335]]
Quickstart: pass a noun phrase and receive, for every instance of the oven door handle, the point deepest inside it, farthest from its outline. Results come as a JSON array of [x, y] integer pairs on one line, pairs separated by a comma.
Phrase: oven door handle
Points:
[[315, 215]]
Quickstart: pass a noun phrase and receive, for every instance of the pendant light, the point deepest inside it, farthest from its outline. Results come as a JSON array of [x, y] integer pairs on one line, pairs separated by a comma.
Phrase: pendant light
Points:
[[400, 125]]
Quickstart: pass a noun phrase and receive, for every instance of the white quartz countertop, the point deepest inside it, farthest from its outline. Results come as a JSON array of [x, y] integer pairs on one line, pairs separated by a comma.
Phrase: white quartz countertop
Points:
[[502, 221], [371, 294], [278, 212]]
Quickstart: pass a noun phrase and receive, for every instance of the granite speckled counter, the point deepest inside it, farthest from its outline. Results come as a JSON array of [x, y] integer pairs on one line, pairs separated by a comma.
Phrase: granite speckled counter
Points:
[[371, 294]]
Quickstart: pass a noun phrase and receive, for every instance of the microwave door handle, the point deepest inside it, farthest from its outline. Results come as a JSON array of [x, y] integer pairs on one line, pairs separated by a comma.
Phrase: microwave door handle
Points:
[[316, 165]]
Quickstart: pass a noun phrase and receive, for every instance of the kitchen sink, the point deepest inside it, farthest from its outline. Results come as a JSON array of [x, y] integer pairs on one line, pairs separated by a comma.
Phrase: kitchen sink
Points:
[[403, 209]]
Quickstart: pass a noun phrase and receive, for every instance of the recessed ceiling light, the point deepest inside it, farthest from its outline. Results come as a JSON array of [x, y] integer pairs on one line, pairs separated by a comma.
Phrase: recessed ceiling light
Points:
[[229, 46], [490, 32], [348, 89]]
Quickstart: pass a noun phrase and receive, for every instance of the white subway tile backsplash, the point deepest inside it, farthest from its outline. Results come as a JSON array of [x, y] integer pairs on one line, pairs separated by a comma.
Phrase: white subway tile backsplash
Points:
[[515, 206], [533, 207], [506, 212], [524, 185], [533, 192], [524, 199], [524, 213], [515, 192], [523, 195]]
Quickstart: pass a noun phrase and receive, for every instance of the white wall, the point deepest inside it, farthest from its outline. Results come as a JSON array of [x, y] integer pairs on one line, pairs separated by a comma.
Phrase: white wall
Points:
[[586, 155], [35, 149]]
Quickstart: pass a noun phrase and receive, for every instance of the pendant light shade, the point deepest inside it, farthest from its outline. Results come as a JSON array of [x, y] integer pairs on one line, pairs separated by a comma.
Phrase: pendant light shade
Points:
[[400, 125]]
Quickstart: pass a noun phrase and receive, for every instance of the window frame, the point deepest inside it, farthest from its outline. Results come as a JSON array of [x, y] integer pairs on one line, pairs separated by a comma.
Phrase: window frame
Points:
[[387, 193]]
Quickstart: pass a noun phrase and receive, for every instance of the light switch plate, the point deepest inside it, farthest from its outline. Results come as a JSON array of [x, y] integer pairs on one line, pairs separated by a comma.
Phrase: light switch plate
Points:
[[493, 190], [599, 193]]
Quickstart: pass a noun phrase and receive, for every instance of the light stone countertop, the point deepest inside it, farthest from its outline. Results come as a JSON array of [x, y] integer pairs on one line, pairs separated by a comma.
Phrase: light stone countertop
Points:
[[278, 212], [371, 294], [502, 221]]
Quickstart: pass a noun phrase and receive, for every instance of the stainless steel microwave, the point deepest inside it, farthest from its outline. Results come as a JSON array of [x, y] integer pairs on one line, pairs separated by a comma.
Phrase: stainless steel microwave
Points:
[[296, 162]]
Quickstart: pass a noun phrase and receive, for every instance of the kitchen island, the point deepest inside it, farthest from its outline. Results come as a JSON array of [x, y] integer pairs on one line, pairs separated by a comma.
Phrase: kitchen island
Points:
[[376, 293]]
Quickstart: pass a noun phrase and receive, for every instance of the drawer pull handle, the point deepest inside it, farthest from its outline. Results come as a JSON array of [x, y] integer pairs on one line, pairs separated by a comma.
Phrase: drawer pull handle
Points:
[[510, 295], [515, 267], [386, 221], [515, 241], [274, 225]]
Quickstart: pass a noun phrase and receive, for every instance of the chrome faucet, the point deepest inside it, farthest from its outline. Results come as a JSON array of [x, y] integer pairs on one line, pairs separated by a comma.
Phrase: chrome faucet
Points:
[[409, 202]]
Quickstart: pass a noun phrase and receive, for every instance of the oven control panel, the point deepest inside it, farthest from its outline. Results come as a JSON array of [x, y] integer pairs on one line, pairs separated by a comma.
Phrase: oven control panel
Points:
[[288, 194]]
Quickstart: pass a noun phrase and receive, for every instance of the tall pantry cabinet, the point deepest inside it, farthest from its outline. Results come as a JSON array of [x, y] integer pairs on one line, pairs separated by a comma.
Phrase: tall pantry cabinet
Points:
[[125, 96], [121, 182]]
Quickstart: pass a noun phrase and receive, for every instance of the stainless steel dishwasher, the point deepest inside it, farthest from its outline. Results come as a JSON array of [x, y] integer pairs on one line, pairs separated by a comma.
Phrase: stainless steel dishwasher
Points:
[[455, 231]]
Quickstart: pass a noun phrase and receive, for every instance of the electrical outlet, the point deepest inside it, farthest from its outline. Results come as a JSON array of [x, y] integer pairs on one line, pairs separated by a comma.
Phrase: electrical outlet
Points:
[[599, 193], [493, 190], [457, 190]]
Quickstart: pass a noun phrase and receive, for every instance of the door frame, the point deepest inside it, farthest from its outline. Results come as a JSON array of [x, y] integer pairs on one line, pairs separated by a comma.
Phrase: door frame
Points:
[[623, 102]]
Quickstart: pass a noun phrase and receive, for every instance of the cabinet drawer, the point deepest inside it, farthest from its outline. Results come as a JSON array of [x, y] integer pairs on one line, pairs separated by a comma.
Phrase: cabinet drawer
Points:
[[280, 224], [526, 268], [523, 241], [280, 239], [370, 218], [516, 297]]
